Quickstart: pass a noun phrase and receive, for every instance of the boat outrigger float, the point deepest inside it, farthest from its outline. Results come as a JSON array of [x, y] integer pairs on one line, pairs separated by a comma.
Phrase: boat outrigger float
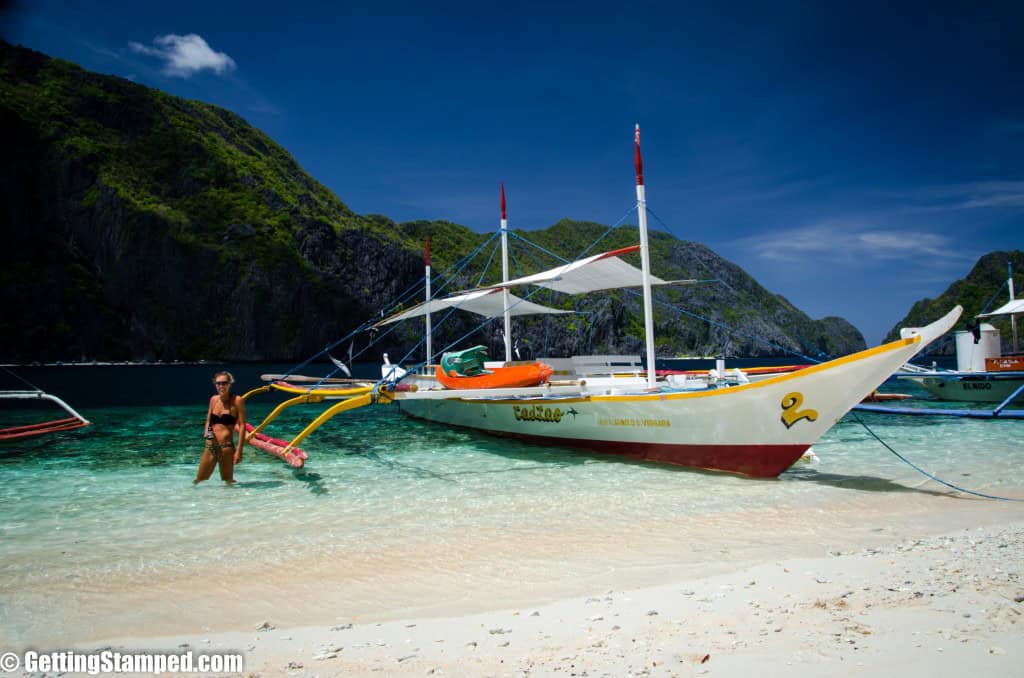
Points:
[[71, 423], [754, 427], [350, 396]]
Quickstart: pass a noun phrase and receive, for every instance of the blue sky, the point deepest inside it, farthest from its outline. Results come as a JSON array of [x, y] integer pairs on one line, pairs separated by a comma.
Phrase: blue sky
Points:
[[853, 157]]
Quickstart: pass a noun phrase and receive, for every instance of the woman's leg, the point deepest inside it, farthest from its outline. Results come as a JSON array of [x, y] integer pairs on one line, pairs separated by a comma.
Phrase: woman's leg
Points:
[[227, 463], [207, 461]]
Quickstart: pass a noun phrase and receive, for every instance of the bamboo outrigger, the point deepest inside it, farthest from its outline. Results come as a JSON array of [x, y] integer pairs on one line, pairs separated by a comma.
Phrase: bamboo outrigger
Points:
[[71, 423], [354, 394]]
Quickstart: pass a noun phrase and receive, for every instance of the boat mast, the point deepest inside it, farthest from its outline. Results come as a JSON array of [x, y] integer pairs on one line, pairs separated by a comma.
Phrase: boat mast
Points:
[[504, 278], [430, 348], [1013, 318], [645, 263]]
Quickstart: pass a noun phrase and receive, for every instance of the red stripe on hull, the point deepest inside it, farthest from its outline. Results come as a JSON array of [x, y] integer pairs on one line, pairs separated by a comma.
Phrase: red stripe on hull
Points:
[[757, 461]]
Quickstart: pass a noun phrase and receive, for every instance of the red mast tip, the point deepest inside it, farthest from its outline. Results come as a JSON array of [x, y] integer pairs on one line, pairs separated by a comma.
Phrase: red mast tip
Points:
[[637, 161], [503, 200], [428, 249]]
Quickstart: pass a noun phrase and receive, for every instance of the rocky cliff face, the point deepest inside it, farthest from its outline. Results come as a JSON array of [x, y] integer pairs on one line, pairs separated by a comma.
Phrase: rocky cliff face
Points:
[[140, 226], [149, 227], [983, 290]]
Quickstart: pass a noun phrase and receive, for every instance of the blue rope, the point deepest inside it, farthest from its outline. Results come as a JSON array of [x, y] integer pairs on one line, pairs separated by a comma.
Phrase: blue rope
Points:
[[731, 289], [664, 225], [987, 303], [451, 310], [541, 248], [921, 470], [540, 265], [327, 349], [441, 322], [515, 263], [665, 303], [852, 412], [361, 351], [446, 276], [725, 327], [609, 230], [471, 332], [534, 257], [413, 288], [592, 245], [468, 334], [416, 367], [487, 266]]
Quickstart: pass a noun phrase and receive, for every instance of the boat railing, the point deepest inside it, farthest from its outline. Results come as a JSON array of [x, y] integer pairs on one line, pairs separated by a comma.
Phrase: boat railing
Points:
[[588, 365], [910, 368]]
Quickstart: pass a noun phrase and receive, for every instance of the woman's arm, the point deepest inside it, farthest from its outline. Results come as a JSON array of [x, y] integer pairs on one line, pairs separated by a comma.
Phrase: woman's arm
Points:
[[209, 411], [241, 428]]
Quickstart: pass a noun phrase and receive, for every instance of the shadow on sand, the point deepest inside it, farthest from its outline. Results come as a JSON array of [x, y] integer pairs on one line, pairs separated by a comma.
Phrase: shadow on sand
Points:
[[861, 482]]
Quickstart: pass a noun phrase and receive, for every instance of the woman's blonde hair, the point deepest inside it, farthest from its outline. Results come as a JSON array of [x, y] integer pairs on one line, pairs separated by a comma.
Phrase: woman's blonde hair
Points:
[[225, 373]]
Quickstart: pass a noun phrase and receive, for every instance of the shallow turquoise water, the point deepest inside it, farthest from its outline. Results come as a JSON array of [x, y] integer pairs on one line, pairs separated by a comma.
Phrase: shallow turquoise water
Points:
[[108, 510]]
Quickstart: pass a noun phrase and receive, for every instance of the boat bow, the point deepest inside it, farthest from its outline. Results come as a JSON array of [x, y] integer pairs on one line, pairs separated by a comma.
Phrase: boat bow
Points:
[[757, 429], [930, 333]]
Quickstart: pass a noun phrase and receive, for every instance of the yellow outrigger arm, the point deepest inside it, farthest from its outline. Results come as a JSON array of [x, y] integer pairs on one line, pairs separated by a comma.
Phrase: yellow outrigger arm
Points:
[[351, 398], [343, 406]]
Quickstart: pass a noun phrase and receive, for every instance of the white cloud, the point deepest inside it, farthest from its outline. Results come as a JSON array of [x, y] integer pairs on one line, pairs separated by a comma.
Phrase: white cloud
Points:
[[964, 196], [185, 55], [847, 242], [993, 194]]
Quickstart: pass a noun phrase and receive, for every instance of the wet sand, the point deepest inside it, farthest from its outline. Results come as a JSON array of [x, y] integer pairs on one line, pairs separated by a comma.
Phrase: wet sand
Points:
[[922, 582]]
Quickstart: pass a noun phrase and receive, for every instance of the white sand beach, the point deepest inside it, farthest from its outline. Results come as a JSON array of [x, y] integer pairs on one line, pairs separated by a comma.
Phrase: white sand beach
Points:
[[937, 593]]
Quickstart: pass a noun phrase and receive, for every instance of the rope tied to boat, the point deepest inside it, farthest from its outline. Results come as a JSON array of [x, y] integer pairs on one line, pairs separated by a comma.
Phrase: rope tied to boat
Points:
[[921, 470], [21, 379]]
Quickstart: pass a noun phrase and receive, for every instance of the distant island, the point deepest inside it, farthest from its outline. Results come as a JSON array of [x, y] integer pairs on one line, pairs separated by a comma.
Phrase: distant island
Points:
[[983, 290], [142, 226]]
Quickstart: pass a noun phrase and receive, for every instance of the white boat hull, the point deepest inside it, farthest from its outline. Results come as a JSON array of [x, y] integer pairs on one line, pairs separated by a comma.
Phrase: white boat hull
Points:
[[972, 387], [757, 429]]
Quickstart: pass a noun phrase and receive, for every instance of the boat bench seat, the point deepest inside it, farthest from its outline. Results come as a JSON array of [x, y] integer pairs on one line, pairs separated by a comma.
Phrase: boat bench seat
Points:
[[607, 364]]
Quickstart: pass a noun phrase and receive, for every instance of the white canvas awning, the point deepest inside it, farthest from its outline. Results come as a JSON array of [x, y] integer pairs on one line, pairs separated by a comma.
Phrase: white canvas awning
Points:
[[600, 272], [1012, 308], [486, 302]]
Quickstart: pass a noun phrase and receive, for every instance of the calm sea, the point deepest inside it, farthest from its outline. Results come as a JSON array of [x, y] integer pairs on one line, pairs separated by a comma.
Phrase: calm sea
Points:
[[389, 512]]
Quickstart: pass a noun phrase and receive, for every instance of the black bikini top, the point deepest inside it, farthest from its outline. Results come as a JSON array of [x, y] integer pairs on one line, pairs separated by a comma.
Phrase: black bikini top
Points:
[[226, 419]]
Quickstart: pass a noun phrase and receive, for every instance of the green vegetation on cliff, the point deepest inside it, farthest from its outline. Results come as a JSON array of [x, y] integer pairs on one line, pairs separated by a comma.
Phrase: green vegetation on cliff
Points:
[[146, 226], [983, 290]]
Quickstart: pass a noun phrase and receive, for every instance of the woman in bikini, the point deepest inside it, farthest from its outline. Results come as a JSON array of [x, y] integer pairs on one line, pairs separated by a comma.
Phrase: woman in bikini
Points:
[[226, 412]]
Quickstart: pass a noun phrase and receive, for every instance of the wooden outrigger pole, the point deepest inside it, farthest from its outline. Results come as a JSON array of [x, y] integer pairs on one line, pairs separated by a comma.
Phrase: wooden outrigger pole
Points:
[[357, 394]]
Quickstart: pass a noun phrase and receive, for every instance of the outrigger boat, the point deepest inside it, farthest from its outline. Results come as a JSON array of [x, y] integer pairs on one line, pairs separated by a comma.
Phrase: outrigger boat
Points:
[[983, 374], [751, 427], [75, 421]]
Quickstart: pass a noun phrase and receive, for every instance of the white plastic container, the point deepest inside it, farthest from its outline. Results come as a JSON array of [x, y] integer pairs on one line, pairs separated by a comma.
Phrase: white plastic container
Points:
[[970, 357]]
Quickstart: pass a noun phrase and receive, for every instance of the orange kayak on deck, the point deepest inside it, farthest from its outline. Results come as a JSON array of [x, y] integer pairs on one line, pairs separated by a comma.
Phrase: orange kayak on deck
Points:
[[533, 374]]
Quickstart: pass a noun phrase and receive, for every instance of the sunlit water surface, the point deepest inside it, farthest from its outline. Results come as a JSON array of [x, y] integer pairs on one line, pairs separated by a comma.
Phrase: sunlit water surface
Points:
[[102, 527]]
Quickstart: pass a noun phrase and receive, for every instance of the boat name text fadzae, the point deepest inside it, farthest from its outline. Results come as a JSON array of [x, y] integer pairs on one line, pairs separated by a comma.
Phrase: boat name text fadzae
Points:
[[536, 413]]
